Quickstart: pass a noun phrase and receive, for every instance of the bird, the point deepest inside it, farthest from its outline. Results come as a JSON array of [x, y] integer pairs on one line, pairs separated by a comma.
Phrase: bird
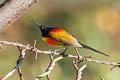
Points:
[[59, 37]]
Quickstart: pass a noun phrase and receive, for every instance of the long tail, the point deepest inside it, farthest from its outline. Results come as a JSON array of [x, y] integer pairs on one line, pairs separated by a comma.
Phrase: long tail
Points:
[[87, 47]]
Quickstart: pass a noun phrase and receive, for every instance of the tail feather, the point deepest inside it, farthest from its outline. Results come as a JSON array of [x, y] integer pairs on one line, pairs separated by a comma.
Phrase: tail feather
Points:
[[87, 47]]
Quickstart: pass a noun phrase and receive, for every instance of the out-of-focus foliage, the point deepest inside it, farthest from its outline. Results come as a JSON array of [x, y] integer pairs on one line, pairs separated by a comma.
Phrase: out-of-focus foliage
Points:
[[94, 22]]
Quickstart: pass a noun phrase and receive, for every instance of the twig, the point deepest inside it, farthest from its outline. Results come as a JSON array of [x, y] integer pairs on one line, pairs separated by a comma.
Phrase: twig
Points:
[[102, 62], [51, 57], [75, 65], [20, 73], [48, 77], [53, 61], [84, 58], [76, 50], [34, 47], [50, 67], [28, 47], [22, 52], [79, 73], [78, 70], [19, 62]]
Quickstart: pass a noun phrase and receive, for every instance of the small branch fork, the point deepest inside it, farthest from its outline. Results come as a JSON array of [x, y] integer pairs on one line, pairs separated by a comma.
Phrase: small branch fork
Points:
[[20, 74], [78, 70], [50, 67], [28, 47], [21, 57], [77, 59], [19, 62]]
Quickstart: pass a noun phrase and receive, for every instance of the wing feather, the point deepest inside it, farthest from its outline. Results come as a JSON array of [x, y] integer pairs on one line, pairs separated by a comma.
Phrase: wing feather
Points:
[[65, 37]]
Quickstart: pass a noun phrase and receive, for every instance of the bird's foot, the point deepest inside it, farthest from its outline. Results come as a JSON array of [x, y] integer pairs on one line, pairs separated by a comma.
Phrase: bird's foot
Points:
[[116, 66], [63, 54]]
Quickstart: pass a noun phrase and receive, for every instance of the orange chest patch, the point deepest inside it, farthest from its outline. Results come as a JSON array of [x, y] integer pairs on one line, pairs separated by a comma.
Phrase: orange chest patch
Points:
[[51, 41]]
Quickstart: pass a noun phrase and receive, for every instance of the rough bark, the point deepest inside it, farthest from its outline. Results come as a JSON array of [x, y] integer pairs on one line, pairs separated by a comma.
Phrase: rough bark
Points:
[[11, 10]]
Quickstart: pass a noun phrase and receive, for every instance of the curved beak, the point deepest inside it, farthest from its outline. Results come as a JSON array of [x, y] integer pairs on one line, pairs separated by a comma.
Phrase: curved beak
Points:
[[37, 23]]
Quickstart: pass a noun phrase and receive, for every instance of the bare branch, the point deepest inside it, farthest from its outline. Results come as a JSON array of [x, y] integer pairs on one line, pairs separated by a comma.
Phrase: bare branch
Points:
[[20, 73], [28, 47], [52, 64], [51, 59], [50, 67], [78, 70], [75, 65], [19, 62], [102, 62], [22, 52], [11, 10], [34, 47], [79, 73]]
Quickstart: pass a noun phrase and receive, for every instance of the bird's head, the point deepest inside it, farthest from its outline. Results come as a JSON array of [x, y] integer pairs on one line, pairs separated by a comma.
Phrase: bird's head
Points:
[[44, 29]]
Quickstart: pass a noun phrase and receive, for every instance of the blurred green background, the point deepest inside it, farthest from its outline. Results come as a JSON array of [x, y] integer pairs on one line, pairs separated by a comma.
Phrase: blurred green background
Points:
[[94, 22]]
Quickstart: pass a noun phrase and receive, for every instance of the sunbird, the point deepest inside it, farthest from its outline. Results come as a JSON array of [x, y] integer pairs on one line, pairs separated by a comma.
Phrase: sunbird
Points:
[[59, 37]]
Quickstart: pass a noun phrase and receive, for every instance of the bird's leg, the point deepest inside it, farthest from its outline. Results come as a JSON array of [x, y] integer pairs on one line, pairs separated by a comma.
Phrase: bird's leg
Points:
[[76, 50], [78, 54], [63, 53]]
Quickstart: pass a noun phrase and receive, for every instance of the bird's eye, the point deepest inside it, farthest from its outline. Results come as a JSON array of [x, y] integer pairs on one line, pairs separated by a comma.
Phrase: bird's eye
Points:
[[43, 27]]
